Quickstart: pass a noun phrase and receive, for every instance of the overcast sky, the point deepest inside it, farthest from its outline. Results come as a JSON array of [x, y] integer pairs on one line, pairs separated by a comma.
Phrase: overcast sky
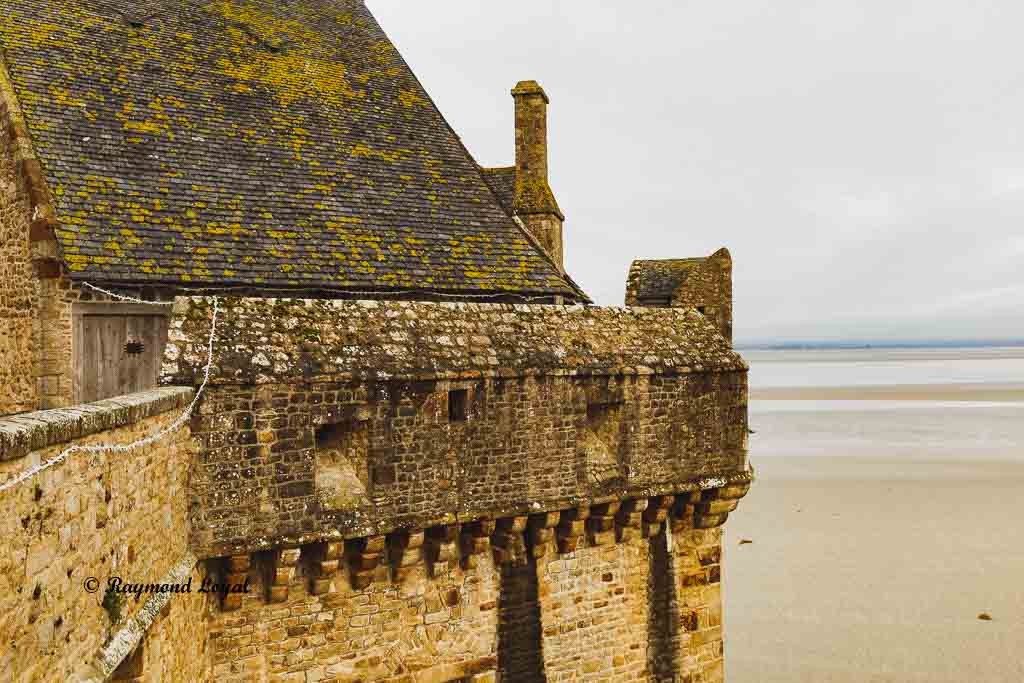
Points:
[[862, 160]]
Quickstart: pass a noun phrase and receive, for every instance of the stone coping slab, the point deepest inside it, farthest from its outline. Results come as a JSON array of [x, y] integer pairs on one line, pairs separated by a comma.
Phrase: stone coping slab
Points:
[[133, 630], [22, 434]]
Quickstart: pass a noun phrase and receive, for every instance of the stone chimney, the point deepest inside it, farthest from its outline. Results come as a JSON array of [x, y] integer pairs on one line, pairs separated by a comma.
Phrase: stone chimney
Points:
[[533, 201]]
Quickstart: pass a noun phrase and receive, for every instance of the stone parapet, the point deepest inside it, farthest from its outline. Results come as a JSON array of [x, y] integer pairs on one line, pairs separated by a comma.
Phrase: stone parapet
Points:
[[287, 341], [22, 434], [400, 458], [331, 420], [88, 519]]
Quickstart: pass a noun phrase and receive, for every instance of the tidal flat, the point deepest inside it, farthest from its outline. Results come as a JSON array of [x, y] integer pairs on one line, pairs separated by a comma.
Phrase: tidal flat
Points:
[[886, 525]]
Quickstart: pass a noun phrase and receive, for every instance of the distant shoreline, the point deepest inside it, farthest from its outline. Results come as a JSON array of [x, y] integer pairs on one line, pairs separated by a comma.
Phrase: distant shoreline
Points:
[[856, 345]]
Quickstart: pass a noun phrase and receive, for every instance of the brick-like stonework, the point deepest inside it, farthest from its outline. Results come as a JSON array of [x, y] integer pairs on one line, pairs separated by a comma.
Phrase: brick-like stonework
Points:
[[417, 629], [56, 353], [562, 407], [709, 288], [89, 516], [634, 597], [595, 612], [688, 604], [165, 639], [18, 295], [175, 646]]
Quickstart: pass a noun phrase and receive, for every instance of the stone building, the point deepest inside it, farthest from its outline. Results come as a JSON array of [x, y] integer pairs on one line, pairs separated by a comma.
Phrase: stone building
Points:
[[417, 445]]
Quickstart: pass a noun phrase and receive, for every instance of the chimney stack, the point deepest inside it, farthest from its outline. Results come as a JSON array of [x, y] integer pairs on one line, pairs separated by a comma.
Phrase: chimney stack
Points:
[[533, 201]]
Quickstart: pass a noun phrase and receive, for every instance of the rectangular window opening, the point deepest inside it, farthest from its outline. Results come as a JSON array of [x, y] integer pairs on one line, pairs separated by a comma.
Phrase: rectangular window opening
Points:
[[458, 403], [341, 477]]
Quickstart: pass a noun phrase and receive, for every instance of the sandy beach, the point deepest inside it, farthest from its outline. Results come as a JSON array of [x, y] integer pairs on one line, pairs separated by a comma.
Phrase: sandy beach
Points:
[[867, 570], [898, 521]]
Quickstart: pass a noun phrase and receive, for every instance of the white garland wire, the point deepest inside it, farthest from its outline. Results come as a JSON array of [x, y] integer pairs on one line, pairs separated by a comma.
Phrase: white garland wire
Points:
[[122, 297], [373, 294], [145, 441], [180, 420]]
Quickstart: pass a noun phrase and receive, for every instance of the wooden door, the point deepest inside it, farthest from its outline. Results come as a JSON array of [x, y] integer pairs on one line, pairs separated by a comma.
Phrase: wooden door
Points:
[[117, 353]]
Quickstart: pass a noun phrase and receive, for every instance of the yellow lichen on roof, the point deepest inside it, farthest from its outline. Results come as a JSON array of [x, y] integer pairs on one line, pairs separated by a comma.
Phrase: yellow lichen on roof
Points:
[[193, 141]]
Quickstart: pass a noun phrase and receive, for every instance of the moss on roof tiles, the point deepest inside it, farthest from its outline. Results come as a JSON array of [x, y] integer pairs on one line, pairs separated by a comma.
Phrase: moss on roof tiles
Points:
[[502, 181], [253, 142]]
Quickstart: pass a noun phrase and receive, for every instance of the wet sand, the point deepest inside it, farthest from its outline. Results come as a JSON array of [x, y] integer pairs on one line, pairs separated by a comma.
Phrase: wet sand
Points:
[[1009, 392], [876, 548]]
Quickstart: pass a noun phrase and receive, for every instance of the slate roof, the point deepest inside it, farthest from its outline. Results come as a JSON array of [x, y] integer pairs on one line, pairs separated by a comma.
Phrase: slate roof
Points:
[[255, 143], [502, 182], [654, 281]]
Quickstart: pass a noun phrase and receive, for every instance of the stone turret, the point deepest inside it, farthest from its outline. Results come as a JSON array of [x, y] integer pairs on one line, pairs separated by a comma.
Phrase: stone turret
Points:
[[533, 202], [704, 284]]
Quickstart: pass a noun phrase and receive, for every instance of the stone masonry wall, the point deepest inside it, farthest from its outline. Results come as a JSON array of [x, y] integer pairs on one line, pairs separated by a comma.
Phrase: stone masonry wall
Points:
[[524, 445], [91, 516], [417, 626], [176, 646], [18, 295], [622, 590], [708, 288], [303, 340], [445, 413], [595, 612], [56, 353], [611, 592], [687, 604]]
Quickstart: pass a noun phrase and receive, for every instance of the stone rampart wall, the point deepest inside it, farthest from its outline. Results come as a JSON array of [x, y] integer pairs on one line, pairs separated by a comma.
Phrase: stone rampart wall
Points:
[[328, 420], [72, 527], [616, 592], [595, 610], [410, 623], [524, 445]]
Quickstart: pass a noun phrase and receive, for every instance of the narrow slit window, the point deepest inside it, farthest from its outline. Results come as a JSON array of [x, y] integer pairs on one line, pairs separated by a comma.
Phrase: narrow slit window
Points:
[[458, 401]]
